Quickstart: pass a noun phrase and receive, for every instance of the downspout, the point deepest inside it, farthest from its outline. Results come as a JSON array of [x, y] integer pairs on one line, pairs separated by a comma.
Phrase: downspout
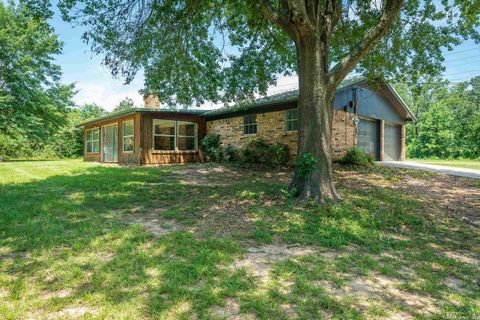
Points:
[[355, 112]]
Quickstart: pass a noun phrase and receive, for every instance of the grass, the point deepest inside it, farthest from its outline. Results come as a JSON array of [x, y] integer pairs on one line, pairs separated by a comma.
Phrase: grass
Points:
[[69, 249], [467, 164]]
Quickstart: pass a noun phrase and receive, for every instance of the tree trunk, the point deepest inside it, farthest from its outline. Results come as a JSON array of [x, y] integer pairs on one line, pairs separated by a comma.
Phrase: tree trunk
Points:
[[315, 110]]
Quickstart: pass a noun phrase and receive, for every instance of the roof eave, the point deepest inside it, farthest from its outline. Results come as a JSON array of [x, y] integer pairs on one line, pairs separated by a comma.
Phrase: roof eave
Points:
[[133, 111], [404, 105]]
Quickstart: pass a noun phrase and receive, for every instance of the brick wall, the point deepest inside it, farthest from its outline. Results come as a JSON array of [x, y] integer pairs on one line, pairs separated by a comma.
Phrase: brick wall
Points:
[[271, 127]]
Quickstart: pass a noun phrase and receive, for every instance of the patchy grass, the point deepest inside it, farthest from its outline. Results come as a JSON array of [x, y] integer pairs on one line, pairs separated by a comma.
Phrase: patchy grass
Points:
[[206, 241], [467, 164]]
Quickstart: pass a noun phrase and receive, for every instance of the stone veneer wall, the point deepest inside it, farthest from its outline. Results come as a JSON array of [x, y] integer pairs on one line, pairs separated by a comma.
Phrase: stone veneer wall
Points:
[[271, 127]]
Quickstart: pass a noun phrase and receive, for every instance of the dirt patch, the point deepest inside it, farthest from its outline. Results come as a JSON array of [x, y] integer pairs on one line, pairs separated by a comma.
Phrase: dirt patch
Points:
[[231, 311], [462, 256], [74, 312], [454, 284], [445, 195], [366, 291], [212, 174], [155, 223], [259, 260]]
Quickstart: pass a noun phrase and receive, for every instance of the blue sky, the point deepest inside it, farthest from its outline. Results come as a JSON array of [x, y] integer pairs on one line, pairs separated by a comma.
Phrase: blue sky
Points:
[[95, 83]]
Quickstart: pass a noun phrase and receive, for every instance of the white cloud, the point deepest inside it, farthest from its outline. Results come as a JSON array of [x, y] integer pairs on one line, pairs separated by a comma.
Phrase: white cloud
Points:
[[101, 88]]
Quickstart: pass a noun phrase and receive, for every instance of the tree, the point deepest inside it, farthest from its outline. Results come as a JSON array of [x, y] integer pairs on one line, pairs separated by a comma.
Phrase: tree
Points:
[[90, 111], [32, 99], [183, 48], [447, 119], [124, 105]]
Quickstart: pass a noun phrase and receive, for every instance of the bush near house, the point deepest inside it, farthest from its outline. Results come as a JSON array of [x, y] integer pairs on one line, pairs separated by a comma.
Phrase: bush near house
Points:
[[356, 158], [231, 153], [258, 151], [211, 147]]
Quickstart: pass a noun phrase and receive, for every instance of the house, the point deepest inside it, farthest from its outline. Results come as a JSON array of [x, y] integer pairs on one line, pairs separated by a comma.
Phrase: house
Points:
[[366, 115]]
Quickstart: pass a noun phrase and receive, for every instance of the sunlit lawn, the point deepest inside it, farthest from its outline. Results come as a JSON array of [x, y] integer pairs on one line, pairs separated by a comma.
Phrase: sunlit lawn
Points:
[[468, 164], [69, 249]]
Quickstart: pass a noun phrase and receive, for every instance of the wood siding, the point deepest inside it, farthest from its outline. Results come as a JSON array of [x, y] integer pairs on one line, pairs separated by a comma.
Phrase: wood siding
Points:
[[150, 156], [123, 157]]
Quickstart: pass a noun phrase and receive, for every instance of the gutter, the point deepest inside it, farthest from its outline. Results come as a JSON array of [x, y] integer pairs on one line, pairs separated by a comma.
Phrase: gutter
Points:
[[135, 110]]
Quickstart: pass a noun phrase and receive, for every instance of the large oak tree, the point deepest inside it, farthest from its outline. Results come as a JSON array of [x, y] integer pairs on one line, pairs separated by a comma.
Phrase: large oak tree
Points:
[[192, 51]]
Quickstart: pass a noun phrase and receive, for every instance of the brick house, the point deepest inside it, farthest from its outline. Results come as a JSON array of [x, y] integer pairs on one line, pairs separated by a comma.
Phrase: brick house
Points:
[[366, 115]]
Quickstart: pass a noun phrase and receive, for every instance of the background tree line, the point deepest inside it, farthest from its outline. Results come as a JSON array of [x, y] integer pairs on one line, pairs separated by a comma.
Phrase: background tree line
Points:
[[37, 113], [448, 119]]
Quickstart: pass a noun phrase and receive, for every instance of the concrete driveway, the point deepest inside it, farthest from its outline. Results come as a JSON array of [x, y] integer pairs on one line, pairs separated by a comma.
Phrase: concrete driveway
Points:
[[462, 172]]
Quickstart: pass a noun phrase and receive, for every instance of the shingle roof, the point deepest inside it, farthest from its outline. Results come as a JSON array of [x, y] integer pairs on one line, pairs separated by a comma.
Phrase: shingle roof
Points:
[[283, 97]]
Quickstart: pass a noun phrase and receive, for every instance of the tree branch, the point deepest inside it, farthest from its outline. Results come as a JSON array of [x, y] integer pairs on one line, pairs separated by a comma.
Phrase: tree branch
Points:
[[389, 14], [278, 17]]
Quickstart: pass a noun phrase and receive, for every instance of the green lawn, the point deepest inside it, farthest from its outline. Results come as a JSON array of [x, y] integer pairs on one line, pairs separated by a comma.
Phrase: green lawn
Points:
[[206, 241], [468, 164]]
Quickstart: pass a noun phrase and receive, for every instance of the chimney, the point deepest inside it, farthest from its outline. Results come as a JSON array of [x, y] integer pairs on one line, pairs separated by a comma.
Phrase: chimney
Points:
[[151, 101]]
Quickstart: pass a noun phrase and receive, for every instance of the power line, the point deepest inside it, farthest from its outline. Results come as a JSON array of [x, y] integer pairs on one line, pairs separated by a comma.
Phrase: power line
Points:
[[463, 58], [460, 51], [462, 72]]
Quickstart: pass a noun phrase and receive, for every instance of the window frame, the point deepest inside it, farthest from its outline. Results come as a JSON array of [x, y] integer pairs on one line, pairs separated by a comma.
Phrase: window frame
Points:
[[195, 135], [253, 124], [287, 121], [92, 140], [128, 136], [176, 136]]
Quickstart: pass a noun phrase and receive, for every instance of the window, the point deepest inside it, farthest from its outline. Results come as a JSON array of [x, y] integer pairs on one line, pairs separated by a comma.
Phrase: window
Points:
[[291, 120], [128, 136], [171, 135], [186, 135], [92, 140], [250, 124], [163, 135]]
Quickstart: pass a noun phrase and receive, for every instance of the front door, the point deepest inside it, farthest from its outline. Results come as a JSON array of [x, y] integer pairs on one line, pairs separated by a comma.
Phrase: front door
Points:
[[110, 143]]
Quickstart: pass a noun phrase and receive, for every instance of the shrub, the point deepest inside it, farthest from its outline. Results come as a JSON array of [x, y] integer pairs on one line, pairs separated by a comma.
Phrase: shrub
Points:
[[231, 154], [279, 154], [306, 164], [258, 151], [211, 147], [356, 157]]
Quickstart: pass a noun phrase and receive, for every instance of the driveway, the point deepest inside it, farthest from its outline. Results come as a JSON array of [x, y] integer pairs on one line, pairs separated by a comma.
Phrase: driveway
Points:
[[462, 172]]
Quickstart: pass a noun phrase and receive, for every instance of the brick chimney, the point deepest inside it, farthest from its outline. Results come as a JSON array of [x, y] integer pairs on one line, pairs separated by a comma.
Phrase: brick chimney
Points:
[[151, 101]]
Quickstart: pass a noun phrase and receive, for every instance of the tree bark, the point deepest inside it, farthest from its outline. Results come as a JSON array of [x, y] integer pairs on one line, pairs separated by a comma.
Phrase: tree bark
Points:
[[315, 110]]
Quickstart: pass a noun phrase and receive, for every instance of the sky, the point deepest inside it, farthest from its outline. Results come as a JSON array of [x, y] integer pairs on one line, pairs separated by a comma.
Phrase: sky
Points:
[[96, 85]]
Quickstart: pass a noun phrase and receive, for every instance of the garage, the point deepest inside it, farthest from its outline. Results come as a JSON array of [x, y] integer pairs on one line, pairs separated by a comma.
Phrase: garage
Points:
[[368, 137], [392, 142]]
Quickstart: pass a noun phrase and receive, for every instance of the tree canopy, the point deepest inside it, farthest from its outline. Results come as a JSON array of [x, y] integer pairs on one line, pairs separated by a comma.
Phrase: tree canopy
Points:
[[32, 99], [124, 105], [448, 119], [224, 50]]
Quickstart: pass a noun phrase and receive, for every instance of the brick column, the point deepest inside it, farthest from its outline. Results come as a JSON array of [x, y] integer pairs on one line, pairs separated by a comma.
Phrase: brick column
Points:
[[382, 140], [403, 138]]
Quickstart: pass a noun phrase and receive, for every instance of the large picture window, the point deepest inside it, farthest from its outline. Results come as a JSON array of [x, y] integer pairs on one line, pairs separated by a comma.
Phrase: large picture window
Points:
[[92, 140], [186, 136], [128, 136], [250, 124], [291, 120], [171, 135]]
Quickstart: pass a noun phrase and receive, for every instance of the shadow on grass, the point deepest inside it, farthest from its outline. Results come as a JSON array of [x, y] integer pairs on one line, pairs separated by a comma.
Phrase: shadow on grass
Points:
[[67, 232]]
